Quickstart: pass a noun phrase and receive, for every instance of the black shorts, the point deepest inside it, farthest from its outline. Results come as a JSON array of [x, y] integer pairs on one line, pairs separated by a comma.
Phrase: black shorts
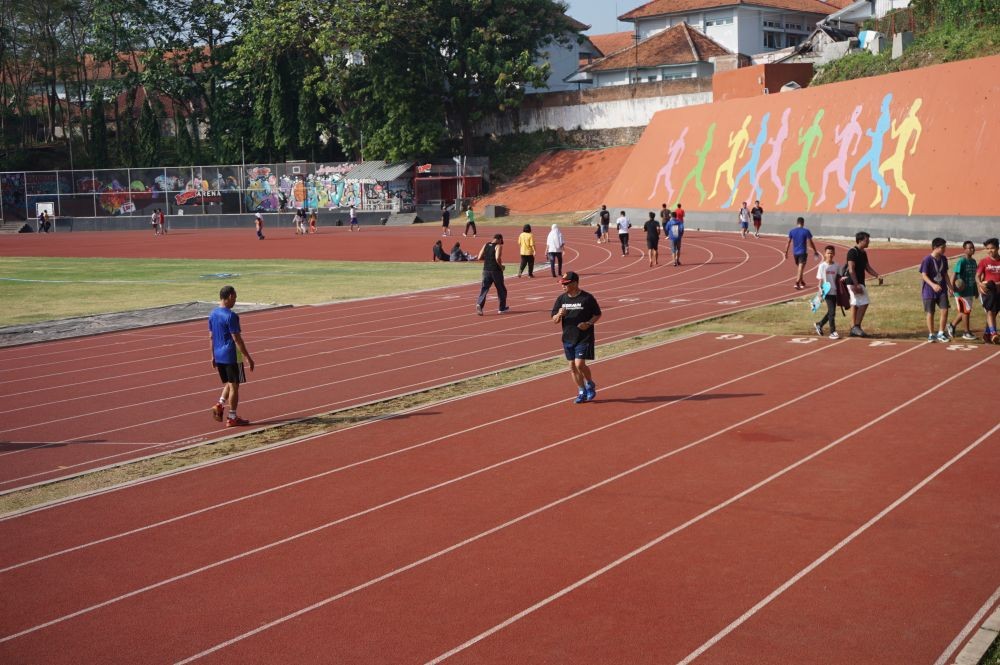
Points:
[[801, 259], [991, 300], [940, 300], [653, 244], [231, 372], [578, 351]]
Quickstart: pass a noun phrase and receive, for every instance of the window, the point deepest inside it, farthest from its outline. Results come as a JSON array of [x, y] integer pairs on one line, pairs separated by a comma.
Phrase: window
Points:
[[794, 26], [723, 20], [772, 40], [772, 24], [793, 40]]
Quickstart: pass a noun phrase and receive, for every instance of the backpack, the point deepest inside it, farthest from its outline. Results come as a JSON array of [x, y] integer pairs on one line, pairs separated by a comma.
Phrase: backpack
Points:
[[843, 294]]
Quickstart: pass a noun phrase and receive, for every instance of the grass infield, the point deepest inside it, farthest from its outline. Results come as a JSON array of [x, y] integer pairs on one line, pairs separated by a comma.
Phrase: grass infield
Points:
[[40, 289]]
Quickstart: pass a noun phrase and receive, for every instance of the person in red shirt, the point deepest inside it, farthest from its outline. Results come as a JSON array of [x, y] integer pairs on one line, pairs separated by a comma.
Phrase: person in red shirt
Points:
[[679, 213], [988, 282]]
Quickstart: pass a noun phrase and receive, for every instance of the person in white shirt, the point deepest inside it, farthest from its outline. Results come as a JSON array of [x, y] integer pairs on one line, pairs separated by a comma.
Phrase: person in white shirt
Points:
[[623, 226], [554, 244], [828, 273]]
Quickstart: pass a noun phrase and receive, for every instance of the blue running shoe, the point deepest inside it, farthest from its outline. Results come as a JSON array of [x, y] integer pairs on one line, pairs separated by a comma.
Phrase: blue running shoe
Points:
[[581, 397], [591, 390]]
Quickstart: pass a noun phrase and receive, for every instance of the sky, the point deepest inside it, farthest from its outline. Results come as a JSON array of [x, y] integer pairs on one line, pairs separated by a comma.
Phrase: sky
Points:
[[602, 15]]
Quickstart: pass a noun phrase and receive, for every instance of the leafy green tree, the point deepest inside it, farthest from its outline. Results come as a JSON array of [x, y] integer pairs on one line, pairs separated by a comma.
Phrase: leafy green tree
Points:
[[182, 140], [98, 146], [485, 52], [149, 136]]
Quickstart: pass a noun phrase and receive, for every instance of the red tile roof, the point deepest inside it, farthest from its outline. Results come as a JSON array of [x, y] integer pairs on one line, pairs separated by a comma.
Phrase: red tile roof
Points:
[[662, 7], [677, 45], [613, 42]]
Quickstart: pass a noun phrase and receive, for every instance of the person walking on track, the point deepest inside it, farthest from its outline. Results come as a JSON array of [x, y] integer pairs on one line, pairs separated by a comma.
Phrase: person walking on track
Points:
[[228, 354], [492, 257], [623, 226], [554, 244]]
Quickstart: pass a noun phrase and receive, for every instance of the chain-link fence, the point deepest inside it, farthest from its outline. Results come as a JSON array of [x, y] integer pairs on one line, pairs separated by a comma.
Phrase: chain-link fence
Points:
[[194, 190]]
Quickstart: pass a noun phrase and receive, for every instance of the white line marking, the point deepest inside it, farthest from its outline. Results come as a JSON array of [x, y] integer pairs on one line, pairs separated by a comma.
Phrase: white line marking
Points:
[[857, 532], [443, 437], [969, 627], [557, 502]]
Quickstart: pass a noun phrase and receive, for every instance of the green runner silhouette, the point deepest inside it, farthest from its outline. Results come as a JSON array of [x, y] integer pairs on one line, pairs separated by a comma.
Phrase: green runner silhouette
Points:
[[695, 173], [813, 136]]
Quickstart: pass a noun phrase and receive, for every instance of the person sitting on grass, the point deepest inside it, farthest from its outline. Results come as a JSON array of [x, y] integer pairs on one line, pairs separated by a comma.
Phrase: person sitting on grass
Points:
[[458, 254]]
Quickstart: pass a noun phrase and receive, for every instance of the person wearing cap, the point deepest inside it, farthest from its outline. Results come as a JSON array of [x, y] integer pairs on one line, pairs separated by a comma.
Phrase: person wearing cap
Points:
[[492, 257], [578, 312]]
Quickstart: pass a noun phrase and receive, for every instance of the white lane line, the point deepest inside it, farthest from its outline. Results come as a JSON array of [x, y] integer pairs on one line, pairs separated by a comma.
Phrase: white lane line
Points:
[[451, 481], [846, 541], [312, 388], [541, 509], [422, 444], [988, 635]]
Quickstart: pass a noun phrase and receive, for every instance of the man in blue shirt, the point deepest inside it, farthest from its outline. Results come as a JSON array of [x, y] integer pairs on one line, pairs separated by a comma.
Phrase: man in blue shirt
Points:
[[798, 238], [674, 230], [228, 354]]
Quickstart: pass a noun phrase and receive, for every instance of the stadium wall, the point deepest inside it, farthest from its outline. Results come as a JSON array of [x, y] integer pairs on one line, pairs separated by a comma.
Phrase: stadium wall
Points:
[[609, 107], [907, 155]]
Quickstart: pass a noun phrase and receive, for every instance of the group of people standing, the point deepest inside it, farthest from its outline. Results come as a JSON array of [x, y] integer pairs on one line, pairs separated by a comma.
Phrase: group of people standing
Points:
[[159, 222], [967, 280]]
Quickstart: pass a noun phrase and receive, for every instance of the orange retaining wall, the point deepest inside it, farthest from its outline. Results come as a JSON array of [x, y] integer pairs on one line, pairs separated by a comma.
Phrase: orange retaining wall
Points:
[[922, 142], [561, 181]]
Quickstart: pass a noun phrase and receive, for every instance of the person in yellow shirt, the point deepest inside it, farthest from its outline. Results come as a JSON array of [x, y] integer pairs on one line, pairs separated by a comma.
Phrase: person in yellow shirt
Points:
[[526, 241]]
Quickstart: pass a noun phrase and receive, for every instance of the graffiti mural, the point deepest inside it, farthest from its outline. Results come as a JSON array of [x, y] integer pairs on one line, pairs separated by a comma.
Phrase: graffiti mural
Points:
[[879, 144]]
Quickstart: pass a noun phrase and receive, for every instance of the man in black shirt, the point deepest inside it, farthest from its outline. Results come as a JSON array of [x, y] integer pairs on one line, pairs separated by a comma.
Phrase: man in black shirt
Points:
[[857, 266], [492, 257], [652, 230], [578, 311], [757, 215], [605, 222]]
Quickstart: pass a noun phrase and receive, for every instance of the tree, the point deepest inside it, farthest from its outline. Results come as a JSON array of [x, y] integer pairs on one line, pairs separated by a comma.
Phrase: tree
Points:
[[98, 147], [485, 52], [149, 136]]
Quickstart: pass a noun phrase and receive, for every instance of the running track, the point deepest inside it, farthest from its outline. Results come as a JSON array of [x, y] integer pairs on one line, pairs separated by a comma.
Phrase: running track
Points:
[[69, 406], [727, 499]]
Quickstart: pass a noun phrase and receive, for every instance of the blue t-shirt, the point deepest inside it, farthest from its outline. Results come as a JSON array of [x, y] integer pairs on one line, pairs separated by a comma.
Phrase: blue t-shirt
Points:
[[800, 235], [674, 229], [223, 322]]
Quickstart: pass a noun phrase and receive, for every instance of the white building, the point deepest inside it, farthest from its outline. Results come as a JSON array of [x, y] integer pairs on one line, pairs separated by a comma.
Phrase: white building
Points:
[[741, 26], [564, 59], [678, 52]]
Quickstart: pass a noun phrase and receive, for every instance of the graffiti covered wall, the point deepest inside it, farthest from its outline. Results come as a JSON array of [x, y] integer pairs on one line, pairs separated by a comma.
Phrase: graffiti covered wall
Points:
[[923, 142]]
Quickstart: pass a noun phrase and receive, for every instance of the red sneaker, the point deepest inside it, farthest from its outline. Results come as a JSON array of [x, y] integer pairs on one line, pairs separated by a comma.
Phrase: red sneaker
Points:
[[218, 412], [236, 422]]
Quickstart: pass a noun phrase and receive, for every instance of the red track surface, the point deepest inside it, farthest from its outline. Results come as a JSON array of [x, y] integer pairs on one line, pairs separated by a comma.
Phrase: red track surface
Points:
[[736, 498], [130, 394]]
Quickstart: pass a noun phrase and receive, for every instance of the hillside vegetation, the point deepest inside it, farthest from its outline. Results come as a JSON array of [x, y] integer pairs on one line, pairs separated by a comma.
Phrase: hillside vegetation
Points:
[[944, 31]]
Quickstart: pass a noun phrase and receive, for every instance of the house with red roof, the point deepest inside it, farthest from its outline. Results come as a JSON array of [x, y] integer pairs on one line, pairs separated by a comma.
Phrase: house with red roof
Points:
[[741, 26], [679, 52]]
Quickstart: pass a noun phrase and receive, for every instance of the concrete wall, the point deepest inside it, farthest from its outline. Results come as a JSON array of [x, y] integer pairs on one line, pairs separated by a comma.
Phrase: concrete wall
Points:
[[244, 221], [909, 154], [607, 115], [599, 108], [881, 227]]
